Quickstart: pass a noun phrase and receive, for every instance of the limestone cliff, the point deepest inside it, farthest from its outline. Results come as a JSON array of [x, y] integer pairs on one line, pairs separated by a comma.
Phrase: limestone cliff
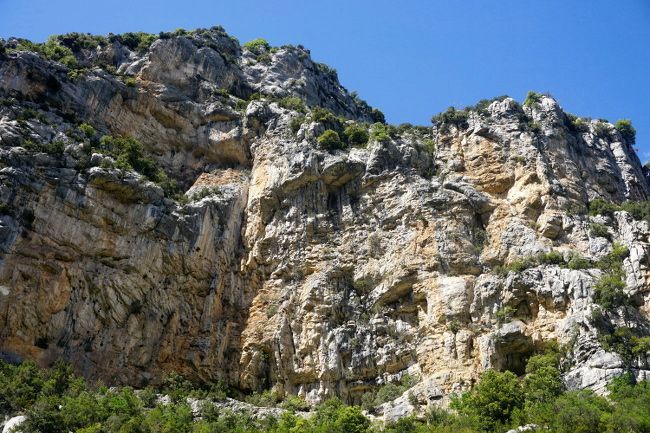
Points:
[[284, 264]]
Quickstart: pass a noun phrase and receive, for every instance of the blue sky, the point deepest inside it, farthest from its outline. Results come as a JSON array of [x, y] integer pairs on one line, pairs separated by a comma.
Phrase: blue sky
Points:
[[412, 58]]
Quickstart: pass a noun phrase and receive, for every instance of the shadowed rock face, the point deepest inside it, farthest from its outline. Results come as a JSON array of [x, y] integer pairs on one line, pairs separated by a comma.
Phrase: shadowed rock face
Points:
[[287, 266]]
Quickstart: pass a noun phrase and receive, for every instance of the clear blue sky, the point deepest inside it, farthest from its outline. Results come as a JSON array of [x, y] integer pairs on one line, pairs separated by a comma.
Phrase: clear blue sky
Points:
[[414, 58]]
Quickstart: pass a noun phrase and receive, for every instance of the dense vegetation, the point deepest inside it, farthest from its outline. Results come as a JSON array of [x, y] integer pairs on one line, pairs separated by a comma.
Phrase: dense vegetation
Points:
[[56, 401]]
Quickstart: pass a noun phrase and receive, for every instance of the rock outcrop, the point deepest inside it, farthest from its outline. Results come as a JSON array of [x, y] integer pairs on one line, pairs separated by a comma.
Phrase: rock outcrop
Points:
[[315, 272]]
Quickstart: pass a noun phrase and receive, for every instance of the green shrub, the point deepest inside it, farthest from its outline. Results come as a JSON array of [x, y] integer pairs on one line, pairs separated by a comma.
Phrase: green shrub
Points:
[[356, 135], [379, 132], [543, 381], [532, 98], [429, 145], [551, 258], [481, 107], [504, 314], [78, 41], [627, 131], [622, 341], [492, 401], [293, 103], [572, 412], [87, 130], [135, 41], [322, 115], [223, 93], [599, 230], [129, 155], [598, 206], [377, 116], [608, 291], [330, 140], [577, 124], [452, 116], [130, 81], [613, 261], [576, 261], [640, 210], [257, 46], [295, 123], [295, 403], [266, 398]]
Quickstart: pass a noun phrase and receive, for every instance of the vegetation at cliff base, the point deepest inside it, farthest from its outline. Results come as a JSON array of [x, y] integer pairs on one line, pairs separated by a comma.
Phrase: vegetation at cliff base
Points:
[[57, 401]]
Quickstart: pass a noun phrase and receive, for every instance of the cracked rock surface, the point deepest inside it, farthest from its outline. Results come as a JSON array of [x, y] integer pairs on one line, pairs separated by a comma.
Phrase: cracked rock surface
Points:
[[285, 265]]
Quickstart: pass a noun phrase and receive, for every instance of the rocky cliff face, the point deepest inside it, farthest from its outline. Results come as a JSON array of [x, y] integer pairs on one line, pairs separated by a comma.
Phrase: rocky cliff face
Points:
[[286, 265]]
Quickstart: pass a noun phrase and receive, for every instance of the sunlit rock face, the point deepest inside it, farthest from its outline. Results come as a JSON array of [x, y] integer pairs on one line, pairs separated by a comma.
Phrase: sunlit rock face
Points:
[[284, 265]]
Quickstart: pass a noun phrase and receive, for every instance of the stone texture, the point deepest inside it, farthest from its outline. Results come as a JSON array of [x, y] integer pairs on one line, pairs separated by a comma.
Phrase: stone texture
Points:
[[312, 272]]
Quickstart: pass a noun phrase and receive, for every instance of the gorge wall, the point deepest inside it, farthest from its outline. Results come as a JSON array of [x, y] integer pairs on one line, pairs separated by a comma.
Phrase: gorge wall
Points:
[[283, 264]]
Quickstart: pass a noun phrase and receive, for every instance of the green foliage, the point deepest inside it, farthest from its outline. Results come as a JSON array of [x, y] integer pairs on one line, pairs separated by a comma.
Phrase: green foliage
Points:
[[388, 392], [429, 145], [532, 98], [609, 289], [379, 132], [30, 113], [577, 124], [295, 123], [327, 70], [295, 403], [135, 41], [481, 107], [457, 118], [129, 155], [377, 116], [356, 135], [130, 81], [266, 398], [572, 412], [640, 210], [322, 115], [613, 261], [598, 206], [577, 261], [56, 401], [81, 41], [492, 401], [52, 50], [257, 46], [330, 140], [55, 147], [627, 131], [543, 381], [504, 314], [177, 386], [599, 230], [293, 103], [87, 130], [627, 343], [550, 258]]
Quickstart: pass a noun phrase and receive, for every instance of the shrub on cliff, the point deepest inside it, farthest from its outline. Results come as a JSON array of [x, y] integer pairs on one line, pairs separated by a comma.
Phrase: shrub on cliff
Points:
[[51, 49], [257, 46], [378, 116], [452, 116], [330, 140], [624, 126], [356, 135], [532, 98], [135, 41], [293, 103]]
